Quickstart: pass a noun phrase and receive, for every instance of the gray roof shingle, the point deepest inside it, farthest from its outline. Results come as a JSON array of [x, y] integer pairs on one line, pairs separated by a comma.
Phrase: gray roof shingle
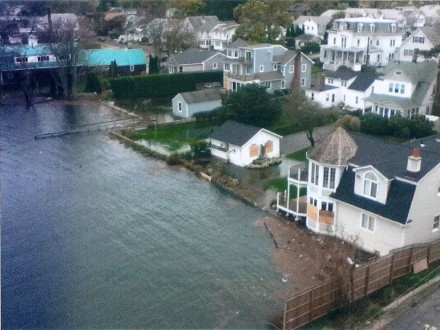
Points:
[[362, 82], [204, 95], [344, 73], [234, 133], [193, 56]]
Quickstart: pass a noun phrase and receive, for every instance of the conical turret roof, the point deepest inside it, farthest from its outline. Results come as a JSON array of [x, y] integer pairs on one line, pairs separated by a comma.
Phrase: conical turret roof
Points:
[[336, 149]]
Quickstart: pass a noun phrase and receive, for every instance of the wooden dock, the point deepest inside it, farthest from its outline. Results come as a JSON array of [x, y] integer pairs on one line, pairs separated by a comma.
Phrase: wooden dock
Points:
[[105, 125]]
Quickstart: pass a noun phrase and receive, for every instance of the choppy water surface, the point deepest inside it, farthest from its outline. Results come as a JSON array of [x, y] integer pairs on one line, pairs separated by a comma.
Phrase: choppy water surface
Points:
[[96, 236]]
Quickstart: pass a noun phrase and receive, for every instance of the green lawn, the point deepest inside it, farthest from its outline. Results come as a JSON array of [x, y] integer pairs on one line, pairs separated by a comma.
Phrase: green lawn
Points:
[[299, 155], [174, 135], [280, 185]]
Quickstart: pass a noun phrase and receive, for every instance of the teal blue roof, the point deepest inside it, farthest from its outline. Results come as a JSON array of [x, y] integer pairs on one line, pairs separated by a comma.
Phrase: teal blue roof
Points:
[[125, 57], [16, 50], [93, 57]]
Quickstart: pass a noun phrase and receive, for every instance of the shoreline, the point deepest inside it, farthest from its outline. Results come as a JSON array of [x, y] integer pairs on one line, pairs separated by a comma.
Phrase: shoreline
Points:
[[300, 256]]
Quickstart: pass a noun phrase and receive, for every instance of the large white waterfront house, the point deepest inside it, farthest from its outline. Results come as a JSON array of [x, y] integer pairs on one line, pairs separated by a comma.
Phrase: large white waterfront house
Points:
[[360, 40], [364, 189]]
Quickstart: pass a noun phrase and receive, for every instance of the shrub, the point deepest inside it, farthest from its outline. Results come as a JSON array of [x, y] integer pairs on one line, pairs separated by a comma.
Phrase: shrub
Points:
[[161, 85], [350, 123], [200, 149], [93, 84], [374, 124], [174, 159]]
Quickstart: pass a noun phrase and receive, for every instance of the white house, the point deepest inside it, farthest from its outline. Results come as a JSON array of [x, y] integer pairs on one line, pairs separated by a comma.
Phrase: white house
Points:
[[360, 40], [423, 39], [186, 104], [371, 191], [241, 144], [313, 25], [343, 87], [406, 88]]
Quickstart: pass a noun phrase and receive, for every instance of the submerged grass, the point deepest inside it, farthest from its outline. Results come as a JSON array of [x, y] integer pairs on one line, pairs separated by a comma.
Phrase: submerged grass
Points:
[[299, 155]]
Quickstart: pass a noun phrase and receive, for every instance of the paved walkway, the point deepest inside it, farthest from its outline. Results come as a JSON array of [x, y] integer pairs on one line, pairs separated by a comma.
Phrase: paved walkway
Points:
[[420, 309], [298, 141]]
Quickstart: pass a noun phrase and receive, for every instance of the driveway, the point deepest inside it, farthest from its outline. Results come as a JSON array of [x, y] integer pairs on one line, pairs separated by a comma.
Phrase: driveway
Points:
[[421, 313], [298, 141]]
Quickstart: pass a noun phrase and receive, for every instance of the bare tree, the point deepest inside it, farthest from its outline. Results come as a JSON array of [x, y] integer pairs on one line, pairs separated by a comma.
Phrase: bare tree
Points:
[[179, 37], [156, 30], [68, 41]]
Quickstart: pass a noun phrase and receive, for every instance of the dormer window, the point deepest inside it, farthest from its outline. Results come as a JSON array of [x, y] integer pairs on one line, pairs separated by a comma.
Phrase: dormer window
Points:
[[372, 28], [370, 185], [360, 26], [393, 27], [398, 73]]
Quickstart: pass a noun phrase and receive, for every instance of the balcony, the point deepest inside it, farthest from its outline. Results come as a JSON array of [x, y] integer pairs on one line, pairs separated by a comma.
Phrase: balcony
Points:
[[296, 207], [298, 176]]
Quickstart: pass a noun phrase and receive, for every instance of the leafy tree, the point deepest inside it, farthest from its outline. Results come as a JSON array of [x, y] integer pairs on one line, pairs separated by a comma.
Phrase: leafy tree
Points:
[[305, 114], [186, 8], [261, 20], [154, 8], [253, 105], [224, 10]]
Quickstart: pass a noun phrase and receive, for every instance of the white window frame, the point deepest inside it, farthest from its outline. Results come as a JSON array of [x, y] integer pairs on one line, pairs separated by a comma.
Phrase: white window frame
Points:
[[179, 106], [303, 82], [370, 185], [214, 65], [131, 68], [303, 67], [283, 84], [261, 68], [436, 223], [329, 178], [290, 68], [275, 67], [314, 175], [368, 222]]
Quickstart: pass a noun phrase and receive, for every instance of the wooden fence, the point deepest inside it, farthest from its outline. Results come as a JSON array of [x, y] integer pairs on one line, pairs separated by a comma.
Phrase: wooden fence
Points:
[[366, 279]]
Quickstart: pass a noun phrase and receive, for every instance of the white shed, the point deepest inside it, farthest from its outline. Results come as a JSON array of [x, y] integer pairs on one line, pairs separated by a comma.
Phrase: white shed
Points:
[[241, 144]]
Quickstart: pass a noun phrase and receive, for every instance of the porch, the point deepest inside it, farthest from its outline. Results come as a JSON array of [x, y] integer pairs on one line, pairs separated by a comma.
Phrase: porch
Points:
[[296, 207]]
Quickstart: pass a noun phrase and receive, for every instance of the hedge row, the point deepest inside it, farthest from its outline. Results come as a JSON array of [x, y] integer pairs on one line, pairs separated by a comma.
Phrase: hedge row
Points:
[[161, 85]]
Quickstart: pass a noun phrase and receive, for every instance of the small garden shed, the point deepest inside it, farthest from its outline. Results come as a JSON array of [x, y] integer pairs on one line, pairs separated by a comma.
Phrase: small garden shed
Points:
[[186, 104], [241, 144]]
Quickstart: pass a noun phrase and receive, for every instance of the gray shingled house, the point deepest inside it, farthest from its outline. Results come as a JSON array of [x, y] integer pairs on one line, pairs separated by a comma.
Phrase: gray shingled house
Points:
[[186, 104], [196, 60]]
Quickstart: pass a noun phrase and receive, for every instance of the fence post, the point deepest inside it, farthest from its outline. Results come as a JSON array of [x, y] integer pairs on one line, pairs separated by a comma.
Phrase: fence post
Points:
[[367, 280], [310, 305], [285, 315], [410, 259], [391, 278]]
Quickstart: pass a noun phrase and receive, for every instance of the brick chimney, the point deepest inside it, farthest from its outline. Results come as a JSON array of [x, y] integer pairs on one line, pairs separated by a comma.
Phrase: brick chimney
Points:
[[295, 84], [414, 161]]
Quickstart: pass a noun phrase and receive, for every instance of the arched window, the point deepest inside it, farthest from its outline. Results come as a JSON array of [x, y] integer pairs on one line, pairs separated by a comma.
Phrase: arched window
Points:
[[370, 185]]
